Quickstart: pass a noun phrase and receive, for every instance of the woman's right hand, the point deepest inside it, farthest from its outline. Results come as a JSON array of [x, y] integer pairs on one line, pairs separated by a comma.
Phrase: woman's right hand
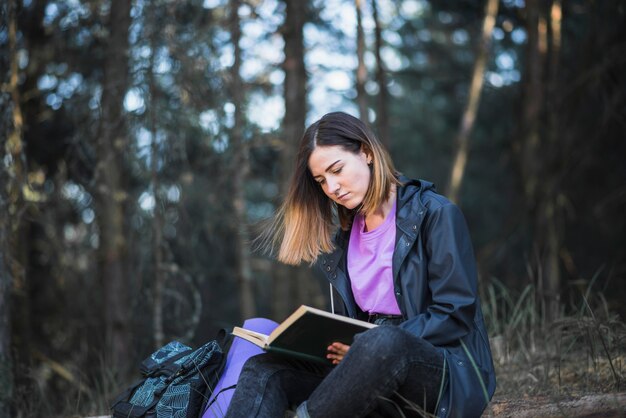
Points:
[[336, 352]]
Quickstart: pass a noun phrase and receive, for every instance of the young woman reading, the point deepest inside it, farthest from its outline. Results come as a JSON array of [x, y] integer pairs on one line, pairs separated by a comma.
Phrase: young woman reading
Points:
[[397, 254]]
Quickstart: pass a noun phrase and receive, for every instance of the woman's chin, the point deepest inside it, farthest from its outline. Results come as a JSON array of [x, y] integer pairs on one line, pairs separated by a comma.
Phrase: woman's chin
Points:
[[350, 205]]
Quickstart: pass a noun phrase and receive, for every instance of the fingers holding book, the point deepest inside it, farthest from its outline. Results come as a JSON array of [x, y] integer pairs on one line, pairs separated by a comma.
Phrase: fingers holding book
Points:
[[336, 352]]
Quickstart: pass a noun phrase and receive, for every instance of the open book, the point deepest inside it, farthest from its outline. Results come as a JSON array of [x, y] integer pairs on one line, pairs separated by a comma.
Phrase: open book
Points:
[[306, 334]]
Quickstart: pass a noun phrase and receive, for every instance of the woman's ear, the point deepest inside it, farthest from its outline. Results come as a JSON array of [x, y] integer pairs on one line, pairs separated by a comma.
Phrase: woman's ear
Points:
[[368, 154]]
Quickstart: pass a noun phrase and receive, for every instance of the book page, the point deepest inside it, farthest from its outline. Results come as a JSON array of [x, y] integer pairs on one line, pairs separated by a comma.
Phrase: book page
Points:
[[255, 338]]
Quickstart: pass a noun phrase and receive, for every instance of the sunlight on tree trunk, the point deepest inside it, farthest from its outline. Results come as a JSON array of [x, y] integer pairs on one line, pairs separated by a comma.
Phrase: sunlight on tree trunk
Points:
[[110, 193], [548, 218], [382, 118], [240, 169], [471, 108], [537, 152], [556, 15], [361, 70]]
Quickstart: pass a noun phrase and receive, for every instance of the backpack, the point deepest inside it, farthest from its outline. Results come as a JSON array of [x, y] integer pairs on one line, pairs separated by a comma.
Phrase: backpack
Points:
[[176, 382]]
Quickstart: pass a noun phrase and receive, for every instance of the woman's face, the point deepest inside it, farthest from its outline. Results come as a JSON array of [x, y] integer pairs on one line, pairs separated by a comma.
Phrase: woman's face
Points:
[[343, 176]]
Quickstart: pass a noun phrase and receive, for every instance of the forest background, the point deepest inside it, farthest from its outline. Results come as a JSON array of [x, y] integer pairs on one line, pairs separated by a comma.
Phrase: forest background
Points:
[[144, 141]]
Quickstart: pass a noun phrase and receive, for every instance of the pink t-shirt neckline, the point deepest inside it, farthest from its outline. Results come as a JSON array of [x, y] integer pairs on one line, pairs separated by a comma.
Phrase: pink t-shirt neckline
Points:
[[370, 256]]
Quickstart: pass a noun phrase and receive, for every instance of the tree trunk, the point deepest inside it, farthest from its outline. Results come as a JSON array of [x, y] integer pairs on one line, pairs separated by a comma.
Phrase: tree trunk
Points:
[[10, 200], [471, 108], [382, 118], [361, 70], [295, 86], [537, 153], [110, 195], [240, 170], [289, 283], [157, 220], [550, 225], [6, 363]]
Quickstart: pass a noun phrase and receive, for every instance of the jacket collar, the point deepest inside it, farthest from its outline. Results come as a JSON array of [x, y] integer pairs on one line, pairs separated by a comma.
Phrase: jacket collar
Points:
[[410, 213], [410, 209]]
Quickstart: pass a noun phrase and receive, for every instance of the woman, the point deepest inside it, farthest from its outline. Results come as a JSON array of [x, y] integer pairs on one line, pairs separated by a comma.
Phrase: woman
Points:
[[402, 258]]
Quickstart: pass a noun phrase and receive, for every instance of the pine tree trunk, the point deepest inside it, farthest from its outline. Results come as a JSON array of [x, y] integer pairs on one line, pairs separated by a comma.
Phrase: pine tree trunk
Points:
[[6, 363], [287, 282], [550, 224], [239, 171], [471, 108], [295, 86], [110, 195], [382, 118], [157, 220], [536, 152], [10, 200], [361, 70], [6, 285]]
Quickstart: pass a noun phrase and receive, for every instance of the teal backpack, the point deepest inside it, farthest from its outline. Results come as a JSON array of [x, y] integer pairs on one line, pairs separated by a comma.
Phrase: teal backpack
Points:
[[176, 382]]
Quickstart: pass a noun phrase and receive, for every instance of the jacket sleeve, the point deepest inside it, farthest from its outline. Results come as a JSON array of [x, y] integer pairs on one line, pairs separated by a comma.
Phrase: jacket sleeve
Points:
[[451, 279]]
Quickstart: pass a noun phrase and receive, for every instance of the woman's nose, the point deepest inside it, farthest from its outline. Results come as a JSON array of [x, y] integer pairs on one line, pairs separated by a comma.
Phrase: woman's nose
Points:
[[333, 186]]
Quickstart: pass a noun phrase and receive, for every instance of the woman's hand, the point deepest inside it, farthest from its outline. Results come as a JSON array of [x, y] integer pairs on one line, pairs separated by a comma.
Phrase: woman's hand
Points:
[[336, 352]]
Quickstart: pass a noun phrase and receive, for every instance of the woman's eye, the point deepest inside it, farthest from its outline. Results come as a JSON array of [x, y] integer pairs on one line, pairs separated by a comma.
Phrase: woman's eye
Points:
[[321, 182], [337, 171]]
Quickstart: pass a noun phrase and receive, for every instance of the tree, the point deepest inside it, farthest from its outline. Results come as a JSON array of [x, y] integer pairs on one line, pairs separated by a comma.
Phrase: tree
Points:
[[295, 85], [290, 282], [239, 169], [110, 192], [535, 155], [361, 70], [157, 221], [10, 200], [382, 117], [471, 108], [6, 363]]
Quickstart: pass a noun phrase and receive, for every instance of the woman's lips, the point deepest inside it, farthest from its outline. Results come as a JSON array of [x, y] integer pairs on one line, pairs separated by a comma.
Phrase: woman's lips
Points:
[[343, 196]]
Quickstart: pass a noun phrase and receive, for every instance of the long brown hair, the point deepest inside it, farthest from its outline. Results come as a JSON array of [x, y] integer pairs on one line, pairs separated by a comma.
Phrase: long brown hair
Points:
[[303, 226]]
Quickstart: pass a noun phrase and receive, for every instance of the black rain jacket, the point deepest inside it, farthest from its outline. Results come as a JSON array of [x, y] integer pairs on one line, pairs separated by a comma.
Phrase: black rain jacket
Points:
[[435, 285]]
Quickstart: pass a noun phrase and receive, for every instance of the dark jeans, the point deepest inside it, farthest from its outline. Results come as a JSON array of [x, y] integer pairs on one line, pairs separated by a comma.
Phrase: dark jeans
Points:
[[383, 363]]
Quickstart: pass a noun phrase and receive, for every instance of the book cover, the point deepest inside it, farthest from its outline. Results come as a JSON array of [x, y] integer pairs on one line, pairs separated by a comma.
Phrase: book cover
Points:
[[307, 333]]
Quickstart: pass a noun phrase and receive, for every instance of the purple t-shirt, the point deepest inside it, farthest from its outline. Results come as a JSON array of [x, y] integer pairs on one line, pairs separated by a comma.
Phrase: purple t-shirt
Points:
[[370, 257]]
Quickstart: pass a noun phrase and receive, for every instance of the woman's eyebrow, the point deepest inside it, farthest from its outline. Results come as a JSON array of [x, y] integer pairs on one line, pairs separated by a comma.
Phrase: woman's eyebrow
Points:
[[329, 168]]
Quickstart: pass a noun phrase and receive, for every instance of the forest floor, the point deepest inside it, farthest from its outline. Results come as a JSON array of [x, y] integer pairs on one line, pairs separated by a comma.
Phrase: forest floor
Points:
[[574, 368], [576, 385]]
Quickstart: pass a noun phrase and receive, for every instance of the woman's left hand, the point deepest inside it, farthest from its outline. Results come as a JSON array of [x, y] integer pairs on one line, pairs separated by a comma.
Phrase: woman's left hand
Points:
[[336, 352]]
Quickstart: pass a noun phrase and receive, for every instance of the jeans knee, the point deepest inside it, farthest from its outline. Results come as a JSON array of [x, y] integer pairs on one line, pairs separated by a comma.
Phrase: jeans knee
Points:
[[381, 343], [257, 366]]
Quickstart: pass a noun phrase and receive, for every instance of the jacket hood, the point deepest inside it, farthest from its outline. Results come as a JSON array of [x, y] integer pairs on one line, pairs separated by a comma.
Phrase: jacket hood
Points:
[[409, 187]]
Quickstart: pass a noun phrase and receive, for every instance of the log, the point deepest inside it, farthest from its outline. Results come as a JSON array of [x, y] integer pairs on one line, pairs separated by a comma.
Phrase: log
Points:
[[588, 406], [609, 405]]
